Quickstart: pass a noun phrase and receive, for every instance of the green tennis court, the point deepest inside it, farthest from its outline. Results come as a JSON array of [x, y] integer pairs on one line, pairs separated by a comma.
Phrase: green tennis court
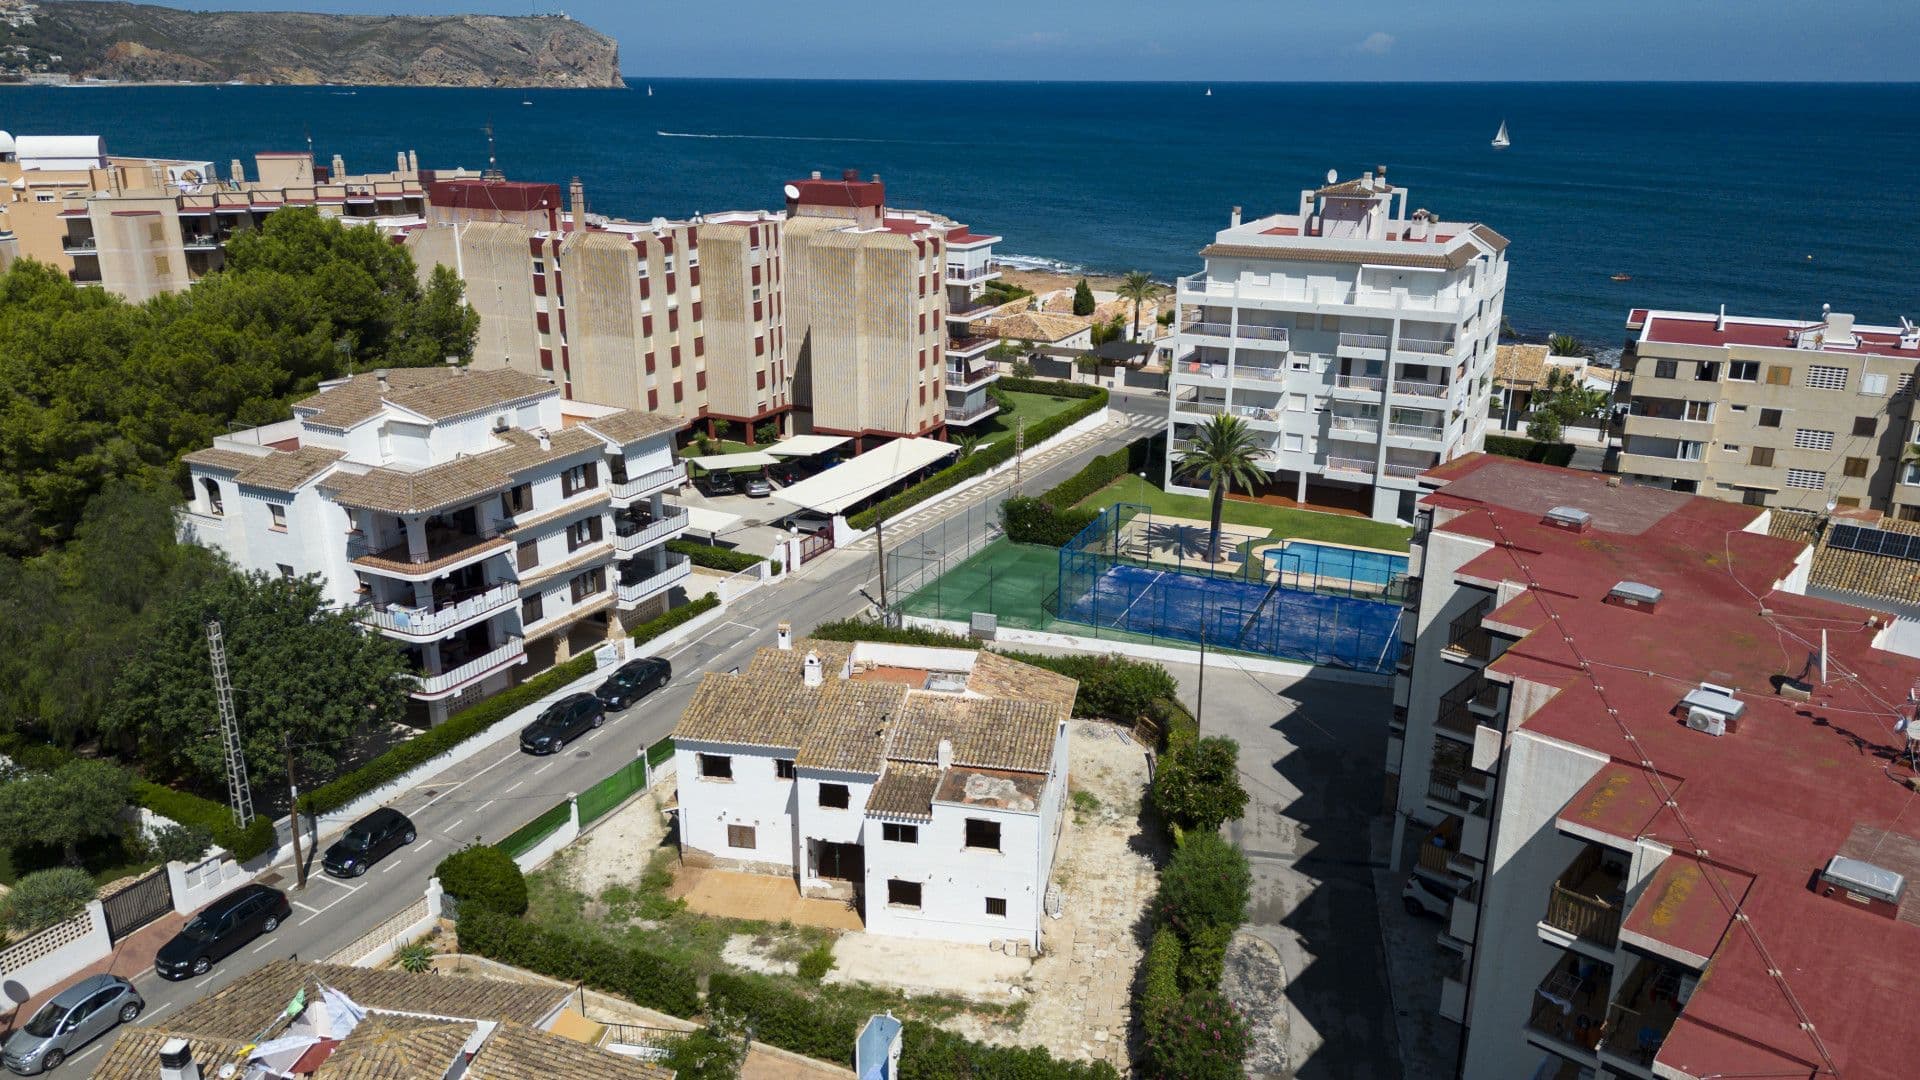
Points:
[[1011, 580]]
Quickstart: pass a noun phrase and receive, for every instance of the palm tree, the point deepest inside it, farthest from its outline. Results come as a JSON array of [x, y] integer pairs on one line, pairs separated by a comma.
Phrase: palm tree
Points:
[[1139, 287], [1222, 453], [1565, 345]]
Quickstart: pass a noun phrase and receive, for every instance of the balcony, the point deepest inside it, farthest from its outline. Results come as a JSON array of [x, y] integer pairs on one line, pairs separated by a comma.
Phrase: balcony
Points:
[[202, 242], [1587, 899], [80, 245], [962, 275], [1427, 432], [1270, 336], [962, 348], [1439, 846], [450, 613], [962, 415], [1640, 1019], [1450, 766], [1363, 466], [1467, 640], [445, 550], [1395, 468], [1366, 428], [971, 308], [1357, 386], [638, 590], [1570, 1005], [1364, 342], [1260, 372], [1455, 717], [634, 487], [1428, 346], [969, 376], [479, 667], [638, 532], [1424, 390]]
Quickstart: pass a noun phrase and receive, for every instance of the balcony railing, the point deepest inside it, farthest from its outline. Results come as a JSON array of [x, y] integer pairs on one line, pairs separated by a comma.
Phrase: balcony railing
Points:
[[442, 545], [1640, 1019], [1454, 715], [1358, 382], [963, 375], [1425, 345], [1416, 431], [636, 535], [1450, 766], [1439, 845], [199, 243], [1278, 335], [1350, 464], [1394, 468], [1363, 341], [647, 483], [1569, 1004], [676, 570], [1419, 389], [1587, 899], [967, 346], [958, 275], [511, 652], [429, 622], [1262, 372], [965, 414], [1466, 636], [75, 244], [1344, 422]]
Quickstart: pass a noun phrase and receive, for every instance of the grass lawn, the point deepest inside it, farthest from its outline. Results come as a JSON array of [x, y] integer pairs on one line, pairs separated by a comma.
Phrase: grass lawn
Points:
[[1285, 522], [722, 446], [1032, 408]]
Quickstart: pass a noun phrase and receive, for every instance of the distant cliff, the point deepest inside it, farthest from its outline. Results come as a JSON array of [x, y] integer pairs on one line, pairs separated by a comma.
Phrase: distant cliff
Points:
[[146, 43]]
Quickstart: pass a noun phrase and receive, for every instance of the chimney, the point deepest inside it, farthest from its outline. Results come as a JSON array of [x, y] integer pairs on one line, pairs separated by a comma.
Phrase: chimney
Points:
[[413, 162], [783, 634], [546, 440], [577, 202], [339, 167], [944, 755], [876, 178], [816, 174], [380, 376], [851, 176], [1233, 219], [238, 173], [176, 1061], [1367, 180], [1720, 324], [810, 671], [1382, 170], [400, 161]]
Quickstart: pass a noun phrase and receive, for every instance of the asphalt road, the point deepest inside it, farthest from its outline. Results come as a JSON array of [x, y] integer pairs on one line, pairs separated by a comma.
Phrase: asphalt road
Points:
[[487, 797]]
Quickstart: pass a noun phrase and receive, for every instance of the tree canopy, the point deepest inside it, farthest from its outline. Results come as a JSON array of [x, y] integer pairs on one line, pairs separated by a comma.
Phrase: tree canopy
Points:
[[65, 808], [1083, 298], [1198, 787]]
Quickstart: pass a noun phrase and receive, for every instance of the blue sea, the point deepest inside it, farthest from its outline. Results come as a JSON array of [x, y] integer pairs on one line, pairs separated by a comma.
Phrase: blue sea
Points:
[[1770, 198]]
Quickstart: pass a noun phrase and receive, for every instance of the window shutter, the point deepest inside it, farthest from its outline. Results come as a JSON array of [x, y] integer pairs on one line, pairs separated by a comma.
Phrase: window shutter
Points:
[[594, 524], [1779, 375], [1762, 455]]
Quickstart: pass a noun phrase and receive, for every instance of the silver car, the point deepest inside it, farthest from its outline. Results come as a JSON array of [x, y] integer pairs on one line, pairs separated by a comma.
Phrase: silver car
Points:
[[73, 1018]]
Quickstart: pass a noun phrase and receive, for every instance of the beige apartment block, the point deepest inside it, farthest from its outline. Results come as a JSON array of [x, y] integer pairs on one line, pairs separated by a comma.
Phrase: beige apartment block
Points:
[[1774, 412], [47, 176]]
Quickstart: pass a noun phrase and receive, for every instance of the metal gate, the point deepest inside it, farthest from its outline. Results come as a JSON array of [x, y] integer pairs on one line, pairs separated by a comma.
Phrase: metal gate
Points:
[[138, 904], [814, 545]]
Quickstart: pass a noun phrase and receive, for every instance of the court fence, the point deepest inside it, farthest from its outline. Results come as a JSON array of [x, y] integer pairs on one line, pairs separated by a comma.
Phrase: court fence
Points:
[[914, 563]]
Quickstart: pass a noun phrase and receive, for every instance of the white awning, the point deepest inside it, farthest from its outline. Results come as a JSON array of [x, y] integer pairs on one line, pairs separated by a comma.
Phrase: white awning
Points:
[[806, 445], [733, 461], [711, 522], [850, 482]]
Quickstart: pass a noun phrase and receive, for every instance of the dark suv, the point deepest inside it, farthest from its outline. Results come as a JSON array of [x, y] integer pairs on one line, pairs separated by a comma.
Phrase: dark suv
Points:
[[367, 841], [563, 721], [720, 482], [634, 680], [220, 928]]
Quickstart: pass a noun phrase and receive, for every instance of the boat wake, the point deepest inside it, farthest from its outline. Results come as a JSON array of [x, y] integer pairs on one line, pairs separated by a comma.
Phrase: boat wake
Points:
[[774, 138]]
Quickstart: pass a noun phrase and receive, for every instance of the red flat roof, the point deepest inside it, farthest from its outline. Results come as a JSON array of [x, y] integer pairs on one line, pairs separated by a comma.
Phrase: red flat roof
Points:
[[1681, 914], [847, 191], [1768, 803], [1705, 331], [518, 196], [963, 237]]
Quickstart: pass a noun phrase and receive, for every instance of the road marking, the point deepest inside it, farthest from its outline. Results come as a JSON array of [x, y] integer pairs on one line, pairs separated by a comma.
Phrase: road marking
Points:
[[502, 761], [156, 1012], [206, 980], [298, 904], [88, 1050], [514, 788], [391, 865], [543, 768], [422, 846], [454, 824], [331, 880], [258, 947], [486, 804]]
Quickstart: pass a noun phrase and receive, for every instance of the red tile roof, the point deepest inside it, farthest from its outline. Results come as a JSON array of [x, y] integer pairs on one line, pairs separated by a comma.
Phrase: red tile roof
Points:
[[512, 195], [1771, 801], [850, 190], [1705, 331]]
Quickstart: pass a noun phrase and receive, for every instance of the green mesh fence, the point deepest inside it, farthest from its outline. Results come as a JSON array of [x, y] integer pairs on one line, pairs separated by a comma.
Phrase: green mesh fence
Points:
[[599, 800], [660, 753], [522, 839]]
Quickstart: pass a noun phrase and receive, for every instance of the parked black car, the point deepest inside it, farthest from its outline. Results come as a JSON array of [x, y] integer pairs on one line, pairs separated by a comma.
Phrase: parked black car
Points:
[[634, 680], [221, 927], [368, 841], [563, 721], [720, 482]]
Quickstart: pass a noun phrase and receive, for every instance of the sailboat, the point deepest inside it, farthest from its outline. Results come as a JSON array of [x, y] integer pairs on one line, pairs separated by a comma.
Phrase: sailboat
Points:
[[1500, 140], [649, 91], [1209, 91]]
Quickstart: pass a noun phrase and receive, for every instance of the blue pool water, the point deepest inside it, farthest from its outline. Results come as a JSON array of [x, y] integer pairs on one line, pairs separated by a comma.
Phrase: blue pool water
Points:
[[1323, 561]]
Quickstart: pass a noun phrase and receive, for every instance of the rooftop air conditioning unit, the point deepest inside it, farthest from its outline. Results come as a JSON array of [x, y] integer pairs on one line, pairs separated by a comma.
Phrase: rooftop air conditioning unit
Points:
[[1862, 884], [1570, 518], [500, 422], [1634, 594], [1712, 709]]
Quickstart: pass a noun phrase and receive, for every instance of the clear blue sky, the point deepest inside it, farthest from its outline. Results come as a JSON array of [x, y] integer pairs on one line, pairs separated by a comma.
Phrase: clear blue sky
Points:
[[1228, 40]]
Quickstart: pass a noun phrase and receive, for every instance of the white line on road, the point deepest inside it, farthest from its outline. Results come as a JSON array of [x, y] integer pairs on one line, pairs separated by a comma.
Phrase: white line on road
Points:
[[503, 760], [391, 865], [331, 880], [258, 947], [87, 1051], [158, 1011], [452, 825], [423, 844], [298, 904], [514, 788], [543, 768], [486, 804], [206, 980]]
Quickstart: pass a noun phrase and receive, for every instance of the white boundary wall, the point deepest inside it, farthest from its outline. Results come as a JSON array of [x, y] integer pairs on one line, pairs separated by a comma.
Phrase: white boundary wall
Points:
[[40, 962]]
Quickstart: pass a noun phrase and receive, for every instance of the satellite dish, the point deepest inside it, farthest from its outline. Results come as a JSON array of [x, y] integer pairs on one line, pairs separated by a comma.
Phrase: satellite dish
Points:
[[792, 192], [1332, 176]]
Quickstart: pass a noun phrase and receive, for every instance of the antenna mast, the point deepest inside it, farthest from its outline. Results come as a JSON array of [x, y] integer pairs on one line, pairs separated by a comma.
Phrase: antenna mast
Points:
[[493, 168], [238, 793]]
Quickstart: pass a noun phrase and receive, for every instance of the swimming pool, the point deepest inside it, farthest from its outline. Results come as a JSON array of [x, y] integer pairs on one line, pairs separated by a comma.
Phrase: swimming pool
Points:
[[1330, 563]]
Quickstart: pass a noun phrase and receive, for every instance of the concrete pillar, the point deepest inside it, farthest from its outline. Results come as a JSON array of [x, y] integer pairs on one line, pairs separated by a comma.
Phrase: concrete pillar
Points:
[[416, 537], [436, 898], [1399, 840], [423, 595], [562, 647], [1300, 489]]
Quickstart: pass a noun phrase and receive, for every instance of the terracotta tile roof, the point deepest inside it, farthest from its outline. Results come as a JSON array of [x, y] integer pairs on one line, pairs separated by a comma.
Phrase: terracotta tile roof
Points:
[[1885, 577], [1521, 365], [631, 425], [998, 676], [242, 1009], [992, 733], [517, 1052], [438, 487], [135, 1053], [849, 726], [386, 1047], [1449, 258], [437, 393], [1359, 185], [277, 470], [904, 791], [999, 789], [1036, 326], [1489, 237]]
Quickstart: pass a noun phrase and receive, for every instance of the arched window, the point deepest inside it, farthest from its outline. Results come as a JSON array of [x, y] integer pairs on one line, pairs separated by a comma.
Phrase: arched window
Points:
[[213, 496]]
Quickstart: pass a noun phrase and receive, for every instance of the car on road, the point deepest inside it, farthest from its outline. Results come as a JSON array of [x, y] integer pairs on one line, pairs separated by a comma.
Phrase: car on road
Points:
[[1424, 894], [562, 722], [69, 1020], [634, 680], [756, 487], [221, 927], [367, 841]]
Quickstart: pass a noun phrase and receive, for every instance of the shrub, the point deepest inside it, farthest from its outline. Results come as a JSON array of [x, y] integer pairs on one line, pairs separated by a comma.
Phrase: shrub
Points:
[[179, 843], [1178, 728], [767, 432], [712, 556], [195, 812], [429, 744], [1083, 298], [1023, 369], [817, 962], [1529, 450], [1093, 476], [1205, 958], [1198, 787], [869, 630], [415, 958], [1203, 1037], [640, 975], [673, 617], [1051, 389], [486, 876], [1206, 883], [705, 1054], [1030, 520], [1159, 979], [1111, 687], [929, 1053], [821, 1027], [45, 897]]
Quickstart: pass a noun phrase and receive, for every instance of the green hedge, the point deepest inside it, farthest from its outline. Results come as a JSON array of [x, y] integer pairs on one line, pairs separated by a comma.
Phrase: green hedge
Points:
[[1159, 979], [929, 1053], [660, 624], [1529, 450], [1093, 399], [817, 1027], [486, 876], [429, 744], [713, 556], [1030, 520], [640, 975], [216, 818]]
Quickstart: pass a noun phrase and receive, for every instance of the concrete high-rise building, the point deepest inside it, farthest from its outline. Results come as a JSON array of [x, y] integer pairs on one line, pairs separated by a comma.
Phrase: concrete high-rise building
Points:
[[1355, 338], [1774, 412], [1668, 792]]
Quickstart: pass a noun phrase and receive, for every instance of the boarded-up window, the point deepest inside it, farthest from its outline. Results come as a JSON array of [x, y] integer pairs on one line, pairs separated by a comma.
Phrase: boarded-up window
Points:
[[740, 836], [1762, 455], [1856, 466], [1779, 375]]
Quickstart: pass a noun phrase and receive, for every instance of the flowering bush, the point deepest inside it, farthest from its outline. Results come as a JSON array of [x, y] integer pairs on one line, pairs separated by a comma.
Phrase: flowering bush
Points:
[[1203, 1037]]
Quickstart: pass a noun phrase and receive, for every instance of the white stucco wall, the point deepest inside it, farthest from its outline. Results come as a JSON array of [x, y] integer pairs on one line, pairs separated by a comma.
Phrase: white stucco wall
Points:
[[756, 797]]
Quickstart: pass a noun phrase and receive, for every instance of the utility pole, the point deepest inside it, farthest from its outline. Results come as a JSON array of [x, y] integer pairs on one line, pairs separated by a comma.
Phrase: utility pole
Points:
[[293, 814], [880, 553], [239, 794]]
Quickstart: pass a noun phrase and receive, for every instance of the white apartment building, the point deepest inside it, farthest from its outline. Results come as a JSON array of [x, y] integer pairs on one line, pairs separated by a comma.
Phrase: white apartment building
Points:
[[924, 784], [476, 517], [969, 369], [1356, 339], [1635, 779]]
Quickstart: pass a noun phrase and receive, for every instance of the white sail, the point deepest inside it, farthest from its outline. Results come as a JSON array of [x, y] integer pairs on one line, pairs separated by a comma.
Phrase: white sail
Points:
[[1500, 140]]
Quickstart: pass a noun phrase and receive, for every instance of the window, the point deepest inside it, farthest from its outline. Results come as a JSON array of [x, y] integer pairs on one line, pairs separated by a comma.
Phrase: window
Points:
[[285, 571], [1666, 369], [527, 555], [162, 266], [1826, 377], [1911, 473], [1698, 410], [1297, 403], [1810, 439], [983, 834], [1808, 479], [997, 905], [213, 496], [1707, 371], [1754, 497], [1731, 448], [1296, 443], [783, 768], [583, 532], [579, 478], [740, 836], [1873, 384], [1301, 363], [899, 834], [716, 767], [1769, 417], [539, 267], [834, 796], [1743, 371], [1688, 450], [1910, 513], [531, 609], [590, 583], [1779, 375], [518, 500], [1737, 408], [1863, 426], [903, 893], [1856, 467], [1762, 456], [279, 515], [1847, 502]]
